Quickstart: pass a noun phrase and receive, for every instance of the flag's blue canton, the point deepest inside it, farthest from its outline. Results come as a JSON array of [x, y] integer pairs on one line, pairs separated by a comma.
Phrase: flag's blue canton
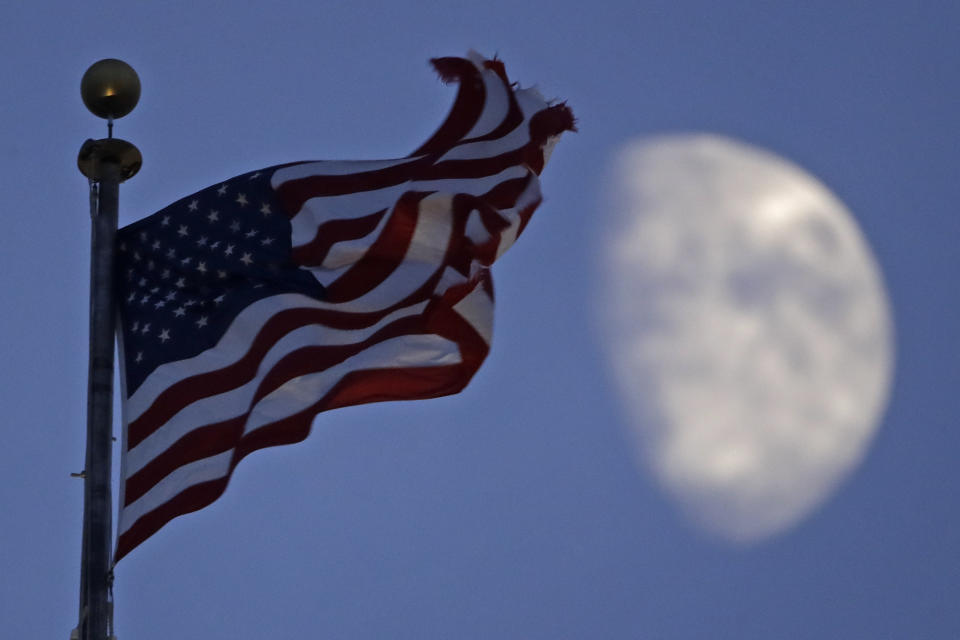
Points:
[[185, 272]]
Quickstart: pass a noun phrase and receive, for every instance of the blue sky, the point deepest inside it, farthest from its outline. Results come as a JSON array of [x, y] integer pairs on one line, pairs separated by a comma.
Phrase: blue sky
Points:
[[516, 509]]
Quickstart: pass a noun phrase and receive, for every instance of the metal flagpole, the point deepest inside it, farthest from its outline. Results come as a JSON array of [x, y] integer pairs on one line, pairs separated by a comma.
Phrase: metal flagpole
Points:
[[110, 89]]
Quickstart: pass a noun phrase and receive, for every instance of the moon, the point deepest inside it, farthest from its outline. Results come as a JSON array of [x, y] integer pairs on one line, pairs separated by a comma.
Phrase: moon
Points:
[[748, 329]]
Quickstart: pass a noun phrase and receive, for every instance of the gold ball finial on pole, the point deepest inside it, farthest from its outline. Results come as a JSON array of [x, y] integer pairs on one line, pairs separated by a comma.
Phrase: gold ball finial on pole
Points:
[[110, 89]]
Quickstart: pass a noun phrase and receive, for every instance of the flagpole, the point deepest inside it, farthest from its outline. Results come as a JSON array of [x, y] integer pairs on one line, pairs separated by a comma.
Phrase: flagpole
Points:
[[110, 89]]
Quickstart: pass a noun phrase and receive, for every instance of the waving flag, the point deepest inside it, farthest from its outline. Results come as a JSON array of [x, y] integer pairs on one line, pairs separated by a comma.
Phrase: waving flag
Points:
[[253, 305]]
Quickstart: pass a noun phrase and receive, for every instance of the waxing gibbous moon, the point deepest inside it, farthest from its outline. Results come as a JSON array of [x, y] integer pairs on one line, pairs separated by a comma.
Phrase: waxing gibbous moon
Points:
[[747, 327]]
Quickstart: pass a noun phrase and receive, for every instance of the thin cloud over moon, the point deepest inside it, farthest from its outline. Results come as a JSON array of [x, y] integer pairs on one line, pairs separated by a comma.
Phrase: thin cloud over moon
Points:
[[748, 328]]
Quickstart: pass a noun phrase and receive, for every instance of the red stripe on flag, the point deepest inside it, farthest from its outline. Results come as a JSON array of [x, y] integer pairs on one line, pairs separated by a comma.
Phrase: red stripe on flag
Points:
[[384, 255], [467, 106], [331, 232]]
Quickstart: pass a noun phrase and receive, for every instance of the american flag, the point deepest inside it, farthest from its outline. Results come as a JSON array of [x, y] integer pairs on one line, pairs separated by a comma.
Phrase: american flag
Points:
[[251, 306]]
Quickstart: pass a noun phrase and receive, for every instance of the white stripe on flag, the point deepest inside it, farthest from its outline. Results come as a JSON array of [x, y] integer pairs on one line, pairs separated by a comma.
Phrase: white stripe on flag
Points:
[[425, 350], [224, 406], [183, 478]]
